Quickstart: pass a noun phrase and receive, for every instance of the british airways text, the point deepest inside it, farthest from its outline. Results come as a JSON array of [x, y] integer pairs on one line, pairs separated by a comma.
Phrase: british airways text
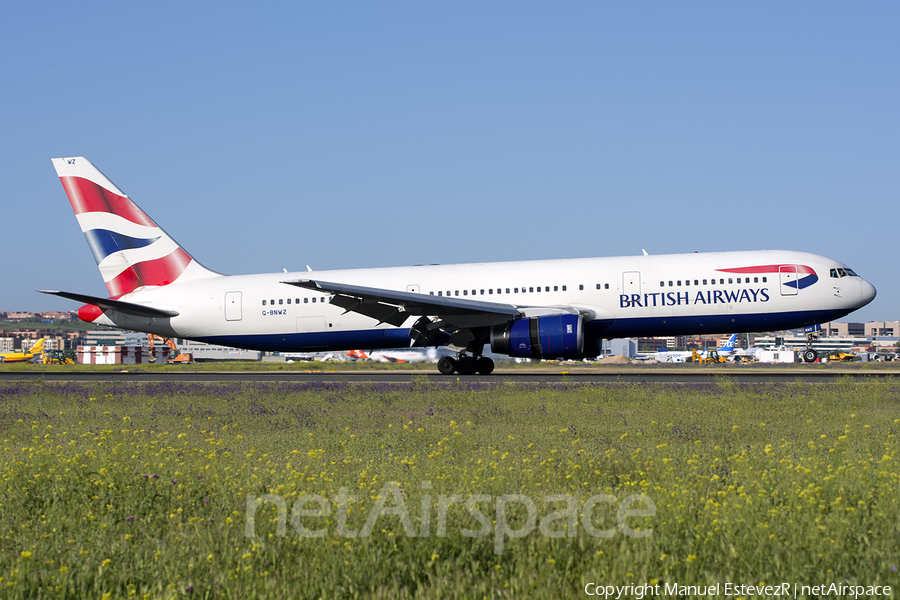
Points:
[[684, 298]]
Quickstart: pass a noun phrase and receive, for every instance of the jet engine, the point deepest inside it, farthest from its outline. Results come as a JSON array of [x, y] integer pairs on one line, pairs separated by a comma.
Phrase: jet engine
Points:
[[552, 336]]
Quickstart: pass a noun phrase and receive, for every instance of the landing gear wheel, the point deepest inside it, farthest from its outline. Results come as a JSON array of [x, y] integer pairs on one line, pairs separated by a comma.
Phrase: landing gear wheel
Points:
[[467, 365], [810, 355], [484, 365], [446, 366]]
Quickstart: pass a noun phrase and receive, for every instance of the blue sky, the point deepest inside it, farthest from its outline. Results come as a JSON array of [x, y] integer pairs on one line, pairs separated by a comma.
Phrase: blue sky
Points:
[[378, 134]]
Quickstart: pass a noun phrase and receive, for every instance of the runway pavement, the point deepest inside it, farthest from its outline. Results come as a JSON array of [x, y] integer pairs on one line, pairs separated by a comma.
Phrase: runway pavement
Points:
[[604, 375]]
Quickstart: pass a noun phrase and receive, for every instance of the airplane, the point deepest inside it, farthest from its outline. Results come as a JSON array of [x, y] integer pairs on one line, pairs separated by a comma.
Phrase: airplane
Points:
[[526, 309], [395, 356], [14, 357], [679, 356]]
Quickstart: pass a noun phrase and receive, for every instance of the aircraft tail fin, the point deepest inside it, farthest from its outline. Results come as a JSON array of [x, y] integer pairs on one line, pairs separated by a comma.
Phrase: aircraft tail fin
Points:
[[729, 345], [38, 347], [130, 249]]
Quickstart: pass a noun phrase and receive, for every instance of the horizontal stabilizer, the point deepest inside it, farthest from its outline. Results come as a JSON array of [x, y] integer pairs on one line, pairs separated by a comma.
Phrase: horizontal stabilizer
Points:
[[128, 308]]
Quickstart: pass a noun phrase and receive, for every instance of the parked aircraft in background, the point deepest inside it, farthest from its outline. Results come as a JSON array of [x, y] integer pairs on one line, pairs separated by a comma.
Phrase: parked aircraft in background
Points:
[[681, 356], [527, 309], [396, 356], [15, 357], [313, 356]]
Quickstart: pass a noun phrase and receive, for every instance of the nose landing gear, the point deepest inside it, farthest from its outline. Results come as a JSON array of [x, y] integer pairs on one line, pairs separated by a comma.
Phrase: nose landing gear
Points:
[[810, 355]]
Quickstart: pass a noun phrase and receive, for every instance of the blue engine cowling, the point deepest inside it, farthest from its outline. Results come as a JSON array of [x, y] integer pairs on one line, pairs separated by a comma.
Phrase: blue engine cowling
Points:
[[554, 336]]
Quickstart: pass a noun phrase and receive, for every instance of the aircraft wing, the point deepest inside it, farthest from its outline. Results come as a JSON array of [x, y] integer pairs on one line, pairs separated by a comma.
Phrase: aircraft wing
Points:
[[128, 308], [395, 307]]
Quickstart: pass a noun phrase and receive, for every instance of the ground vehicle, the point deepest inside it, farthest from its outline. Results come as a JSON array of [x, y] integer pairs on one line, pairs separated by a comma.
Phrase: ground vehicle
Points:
[[712, 357], [56, 357], [175, 356], [838, 355], [744, 358]]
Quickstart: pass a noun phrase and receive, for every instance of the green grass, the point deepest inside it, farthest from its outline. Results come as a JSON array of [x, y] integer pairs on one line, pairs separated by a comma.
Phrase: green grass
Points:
[[142, 488]]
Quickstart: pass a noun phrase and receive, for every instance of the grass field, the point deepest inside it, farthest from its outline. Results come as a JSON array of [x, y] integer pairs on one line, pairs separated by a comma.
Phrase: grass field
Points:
[[434, 490]]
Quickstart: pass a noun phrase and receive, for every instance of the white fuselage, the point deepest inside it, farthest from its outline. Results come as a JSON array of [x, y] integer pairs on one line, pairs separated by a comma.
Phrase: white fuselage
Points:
[[729, 292]]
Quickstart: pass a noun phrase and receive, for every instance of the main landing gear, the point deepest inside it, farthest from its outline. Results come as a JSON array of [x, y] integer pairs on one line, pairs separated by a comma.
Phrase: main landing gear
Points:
[[466, 365]]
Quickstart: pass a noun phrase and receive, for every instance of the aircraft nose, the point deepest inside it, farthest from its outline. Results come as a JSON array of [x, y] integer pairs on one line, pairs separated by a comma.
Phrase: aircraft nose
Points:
[[867, 292]]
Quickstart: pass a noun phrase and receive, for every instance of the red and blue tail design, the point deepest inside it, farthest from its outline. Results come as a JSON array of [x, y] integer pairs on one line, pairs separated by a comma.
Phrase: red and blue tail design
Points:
[[805, 276], [130, 249]]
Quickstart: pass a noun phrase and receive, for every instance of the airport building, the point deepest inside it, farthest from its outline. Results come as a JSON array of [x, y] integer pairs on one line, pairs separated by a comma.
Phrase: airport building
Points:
[[200, 350], [843, 329], [24, 342], [204, 352], [822, 344], [113, 337], [627, 347], [883, 329], [870, 329]]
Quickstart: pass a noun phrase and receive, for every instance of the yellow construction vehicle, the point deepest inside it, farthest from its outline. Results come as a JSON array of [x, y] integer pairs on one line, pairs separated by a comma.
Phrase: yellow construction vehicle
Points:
[[56, 357], [712, 357], [175, 356], [837, 355]]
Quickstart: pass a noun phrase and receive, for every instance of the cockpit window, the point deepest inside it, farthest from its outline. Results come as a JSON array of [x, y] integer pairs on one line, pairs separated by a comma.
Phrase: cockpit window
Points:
[[843, 273]]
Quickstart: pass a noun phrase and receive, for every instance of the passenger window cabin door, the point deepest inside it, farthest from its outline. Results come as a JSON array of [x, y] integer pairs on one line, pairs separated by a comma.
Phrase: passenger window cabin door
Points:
[[232, 306], [631, 282], [789, 281]]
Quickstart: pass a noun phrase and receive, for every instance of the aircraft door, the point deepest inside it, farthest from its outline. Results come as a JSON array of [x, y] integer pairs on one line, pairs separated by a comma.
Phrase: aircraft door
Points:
[[310, 324], [413, 288], [631, 282], [232, 306], [788, 276]]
